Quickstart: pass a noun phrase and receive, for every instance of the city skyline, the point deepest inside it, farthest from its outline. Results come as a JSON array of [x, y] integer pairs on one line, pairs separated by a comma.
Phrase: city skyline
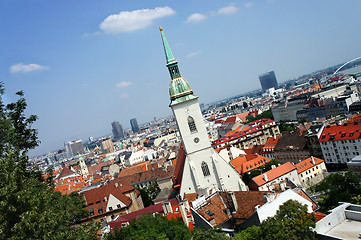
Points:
[[82, 64]]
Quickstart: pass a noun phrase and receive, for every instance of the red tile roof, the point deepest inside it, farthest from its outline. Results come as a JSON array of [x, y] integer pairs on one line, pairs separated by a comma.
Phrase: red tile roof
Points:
[[214, 209], [98, 198], [157, 208], [271, 143], [247, 201], [178, 172], [307, 164], [274, 173], [242, 116], [97, 168], [150, 175], [253, 164], [133, 169], [355, 118], [219, 121], [238, 161], [346, 131], [65, 172], [232, 119], [252, 127], [319, 216], [190, 196], [246, 163]]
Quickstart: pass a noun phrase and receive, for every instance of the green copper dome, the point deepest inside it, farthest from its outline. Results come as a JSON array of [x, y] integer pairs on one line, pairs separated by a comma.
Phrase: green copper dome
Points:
[[179, 88]]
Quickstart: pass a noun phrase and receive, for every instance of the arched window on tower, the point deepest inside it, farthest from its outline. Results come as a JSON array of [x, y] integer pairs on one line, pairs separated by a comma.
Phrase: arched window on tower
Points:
[[205, 169], [192, 125]]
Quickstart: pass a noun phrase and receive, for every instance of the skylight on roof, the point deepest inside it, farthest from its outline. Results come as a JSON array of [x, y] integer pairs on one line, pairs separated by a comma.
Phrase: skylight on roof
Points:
[[210, 213]]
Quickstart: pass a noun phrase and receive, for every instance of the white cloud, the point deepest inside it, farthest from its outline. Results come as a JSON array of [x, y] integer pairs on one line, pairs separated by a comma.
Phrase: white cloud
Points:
[[135, 20], [20, 67], [192, 54], [196, 17], [249, 4], [123, 84], [228, 10]]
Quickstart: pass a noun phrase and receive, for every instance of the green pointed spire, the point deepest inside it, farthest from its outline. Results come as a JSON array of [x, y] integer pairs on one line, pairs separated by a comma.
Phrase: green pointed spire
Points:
[[168, 52], [179, 88]]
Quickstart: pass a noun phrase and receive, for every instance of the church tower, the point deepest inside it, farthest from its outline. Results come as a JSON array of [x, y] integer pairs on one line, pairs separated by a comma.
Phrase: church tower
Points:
[[204, 170]]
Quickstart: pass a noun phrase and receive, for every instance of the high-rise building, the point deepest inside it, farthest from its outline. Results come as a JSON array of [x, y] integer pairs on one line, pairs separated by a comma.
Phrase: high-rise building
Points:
[[107, 145], [74, 148], [268, 80], [134, 125], [117, 129], [204, 171]]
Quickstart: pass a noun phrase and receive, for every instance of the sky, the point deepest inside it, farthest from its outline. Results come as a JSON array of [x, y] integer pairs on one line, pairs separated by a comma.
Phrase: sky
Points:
[[83, 64]]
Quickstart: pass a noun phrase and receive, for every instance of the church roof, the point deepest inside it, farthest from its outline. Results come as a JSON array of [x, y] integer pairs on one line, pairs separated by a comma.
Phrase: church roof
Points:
[[179, 167], [66, 172], [179, 87]]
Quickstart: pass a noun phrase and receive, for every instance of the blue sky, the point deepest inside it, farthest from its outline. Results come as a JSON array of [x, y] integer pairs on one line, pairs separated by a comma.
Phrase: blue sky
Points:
[[86, 63]]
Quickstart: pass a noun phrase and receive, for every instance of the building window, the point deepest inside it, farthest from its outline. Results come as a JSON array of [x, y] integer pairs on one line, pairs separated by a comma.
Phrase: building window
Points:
[[110, 208], [205, 169], [91, 211], [118, 206], [100, 209], [192, 125]]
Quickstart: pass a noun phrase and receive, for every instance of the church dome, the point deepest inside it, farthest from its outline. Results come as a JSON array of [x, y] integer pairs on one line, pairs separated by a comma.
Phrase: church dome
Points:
[[179, 87]]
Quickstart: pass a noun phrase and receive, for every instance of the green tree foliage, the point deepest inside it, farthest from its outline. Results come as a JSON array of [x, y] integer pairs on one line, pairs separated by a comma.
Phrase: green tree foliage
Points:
[[287, 127], [338, 187], [250, 233], [247, 177], [149, 227], [290, 222], [356, 200], [211, 234], [245, 105], [265, 114], [268, 166], [29, 208], [149, 193]]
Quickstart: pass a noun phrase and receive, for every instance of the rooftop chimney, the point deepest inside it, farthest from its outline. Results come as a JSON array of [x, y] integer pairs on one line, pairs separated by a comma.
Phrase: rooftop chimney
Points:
[[167, 208], [234, 201], [265, 177], [313, 160]]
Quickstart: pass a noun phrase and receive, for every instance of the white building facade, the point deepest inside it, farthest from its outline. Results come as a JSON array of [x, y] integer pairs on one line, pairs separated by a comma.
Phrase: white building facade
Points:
[[204, 170], [341, 143]]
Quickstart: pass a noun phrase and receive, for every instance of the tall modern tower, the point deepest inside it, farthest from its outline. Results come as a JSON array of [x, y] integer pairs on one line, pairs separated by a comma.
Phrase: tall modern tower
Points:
[[204, 170], [134, 125], [268, 80], [117, 129], [74, 148]]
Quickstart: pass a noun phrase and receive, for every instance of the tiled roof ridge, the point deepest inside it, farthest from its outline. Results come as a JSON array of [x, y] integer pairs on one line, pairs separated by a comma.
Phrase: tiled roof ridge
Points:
[[307, 164], [346, 131], [274, 173]]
